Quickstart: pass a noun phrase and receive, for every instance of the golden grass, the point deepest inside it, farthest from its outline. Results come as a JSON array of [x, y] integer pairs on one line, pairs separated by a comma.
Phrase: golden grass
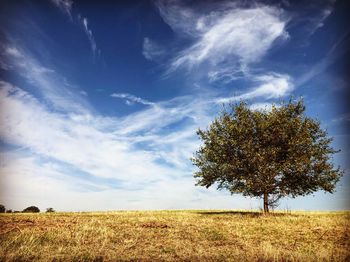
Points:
[[175, 236]]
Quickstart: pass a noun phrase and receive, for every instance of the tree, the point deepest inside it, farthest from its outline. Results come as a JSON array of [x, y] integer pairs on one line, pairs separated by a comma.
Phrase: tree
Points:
[[50, 210], [31, 209], [2, 209], [268, 154]]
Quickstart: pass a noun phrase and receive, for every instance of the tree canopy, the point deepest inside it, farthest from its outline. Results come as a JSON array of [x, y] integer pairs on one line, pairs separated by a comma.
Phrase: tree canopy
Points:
[[266, 153], [31, 209]]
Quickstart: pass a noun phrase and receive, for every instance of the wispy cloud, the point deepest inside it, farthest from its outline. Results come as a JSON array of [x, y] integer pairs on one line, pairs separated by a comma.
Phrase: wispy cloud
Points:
[[227, 74], [335, 54], [179, 17], [62, 137], [243, 35], [130, 99], [151, 50], [13, 51], [342, 118], [154, 119], [318, 22], [53, 87], [227, 39], [227, 42], [64, 5], [271, 86], [88, 32]]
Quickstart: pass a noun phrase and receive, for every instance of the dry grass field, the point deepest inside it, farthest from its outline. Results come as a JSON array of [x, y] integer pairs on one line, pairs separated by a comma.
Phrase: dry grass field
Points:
[[175, 236]]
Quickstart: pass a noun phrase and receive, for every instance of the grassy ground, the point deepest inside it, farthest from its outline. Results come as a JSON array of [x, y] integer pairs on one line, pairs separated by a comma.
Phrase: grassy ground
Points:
[[176, 236]]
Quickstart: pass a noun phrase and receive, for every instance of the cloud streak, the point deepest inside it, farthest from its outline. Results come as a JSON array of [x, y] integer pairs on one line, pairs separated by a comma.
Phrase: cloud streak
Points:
[[65, 6], [271, 86], [131, 99], [52, 86], [88, 32]]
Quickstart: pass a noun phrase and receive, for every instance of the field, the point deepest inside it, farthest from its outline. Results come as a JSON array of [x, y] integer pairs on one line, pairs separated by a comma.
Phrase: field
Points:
[[176, 236]]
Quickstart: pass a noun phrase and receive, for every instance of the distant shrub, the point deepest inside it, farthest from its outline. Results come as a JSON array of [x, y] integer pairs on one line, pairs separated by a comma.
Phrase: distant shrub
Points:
[[31, 209], [2, 209], [50, 210], [9, 211]]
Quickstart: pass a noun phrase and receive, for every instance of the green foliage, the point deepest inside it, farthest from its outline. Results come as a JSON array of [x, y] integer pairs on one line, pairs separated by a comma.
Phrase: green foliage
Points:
[[270, 154], [31, 209], [2, 209], [50, 210]]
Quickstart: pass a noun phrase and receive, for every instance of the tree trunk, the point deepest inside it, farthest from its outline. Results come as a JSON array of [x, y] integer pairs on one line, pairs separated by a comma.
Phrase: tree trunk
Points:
[[266, 203]]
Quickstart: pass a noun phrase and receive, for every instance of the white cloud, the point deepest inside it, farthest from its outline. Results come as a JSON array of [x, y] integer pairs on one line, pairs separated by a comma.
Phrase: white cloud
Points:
[[270, 86], [64, 5], [77, 142], [13, 51], [151, 50], [319, 21], [130, 99], [244, 35], [227, 74], [54, 87], [162, 114], [180, 18], [227, 42], [83, 93], [5, 52], [88, 32], [273, 86], [227, 39]]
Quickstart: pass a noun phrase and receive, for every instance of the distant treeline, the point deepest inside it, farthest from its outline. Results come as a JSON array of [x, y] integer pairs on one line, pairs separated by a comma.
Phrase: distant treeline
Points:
[[30, 209]]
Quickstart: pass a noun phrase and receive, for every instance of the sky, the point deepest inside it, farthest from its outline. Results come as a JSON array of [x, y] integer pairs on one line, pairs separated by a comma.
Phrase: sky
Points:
[[100, 100]]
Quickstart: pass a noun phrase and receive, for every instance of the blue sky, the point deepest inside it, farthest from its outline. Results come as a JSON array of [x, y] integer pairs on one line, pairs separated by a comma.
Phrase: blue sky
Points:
[[100, 102]]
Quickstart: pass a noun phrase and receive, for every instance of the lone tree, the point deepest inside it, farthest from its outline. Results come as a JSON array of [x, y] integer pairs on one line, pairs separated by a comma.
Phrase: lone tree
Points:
[[50, 210], [268, 154]]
